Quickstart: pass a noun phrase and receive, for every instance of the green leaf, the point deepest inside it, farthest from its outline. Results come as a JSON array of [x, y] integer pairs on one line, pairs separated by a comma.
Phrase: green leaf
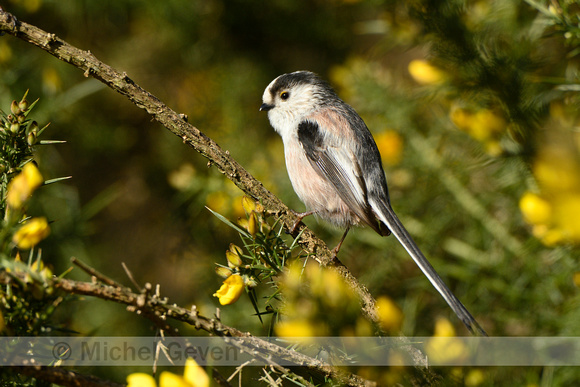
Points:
[[227, 221]]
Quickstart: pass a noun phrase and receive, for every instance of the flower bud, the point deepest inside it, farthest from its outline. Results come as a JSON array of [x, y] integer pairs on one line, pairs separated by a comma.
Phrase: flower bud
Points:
[[32, 128], [15, 127], [234, 260], [236, 249], [248, 204], [253, 224], [23, 105], [31, 138], [250, 282], [223, 272], [14, 108]]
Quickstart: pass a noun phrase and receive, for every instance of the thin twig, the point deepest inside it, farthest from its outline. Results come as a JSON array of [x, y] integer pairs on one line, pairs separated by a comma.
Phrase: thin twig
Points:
[[94, 272], [130, 276]]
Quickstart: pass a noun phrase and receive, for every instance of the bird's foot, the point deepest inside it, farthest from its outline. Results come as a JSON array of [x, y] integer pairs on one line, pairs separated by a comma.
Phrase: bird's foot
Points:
[[300, 216]]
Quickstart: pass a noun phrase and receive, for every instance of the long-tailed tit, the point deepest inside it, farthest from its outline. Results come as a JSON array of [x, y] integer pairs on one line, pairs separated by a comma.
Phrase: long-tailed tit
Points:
[[335, 166]]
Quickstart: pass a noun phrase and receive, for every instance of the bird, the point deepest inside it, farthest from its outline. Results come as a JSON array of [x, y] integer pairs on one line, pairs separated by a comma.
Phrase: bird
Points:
[[335, 167]]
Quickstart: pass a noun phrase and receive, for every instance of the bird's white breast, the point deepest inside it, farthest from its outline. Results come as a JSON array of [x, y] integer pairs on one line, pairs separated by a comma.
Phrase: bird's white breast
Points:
[[317, 193]]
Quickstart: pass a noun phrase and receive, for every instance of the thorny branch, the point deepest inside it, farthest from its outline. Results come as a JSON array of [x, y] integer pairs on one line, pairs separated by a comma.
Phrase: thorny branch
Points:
[[221, 159], [157, 309]]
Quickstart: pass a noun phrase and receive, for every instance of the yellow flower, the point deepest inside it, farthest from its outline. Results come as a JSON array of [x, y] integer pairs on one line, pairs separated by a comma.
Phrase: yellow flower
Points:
[[390, 315], [557, 170], [390, 145], [318, 302], [168, 379], [193, 376], [474, 378], [484, 125], [444, 328], [22, 185], [140, 380], [535, 209], [487, 123], [425, 73], [302, 328], [327, 285], [444, 348], [31, 233], [567, 216], [461, 118], [230, 290]]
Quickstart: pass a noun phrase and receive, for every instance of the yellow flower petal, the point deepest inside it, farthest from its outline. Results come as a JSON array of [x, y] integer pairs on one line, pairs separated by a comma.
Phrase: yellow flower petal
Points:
[[443, 347], [302, 329], [248, 204], [444, 328], [557, 170], [140, 380], [253, 224], [425, 73], [31, 233], [22, 185], [390, 144], [390, 315], [231, 290], [535, 209], [567, 216], [297, 328], [462, 118], [195, 375], [167, 379]]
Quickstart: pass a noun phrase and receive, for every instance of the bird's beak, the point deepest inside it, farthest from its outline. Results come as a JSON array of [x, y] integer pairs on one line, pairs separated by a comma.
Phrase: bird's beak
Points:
[[265, 107]]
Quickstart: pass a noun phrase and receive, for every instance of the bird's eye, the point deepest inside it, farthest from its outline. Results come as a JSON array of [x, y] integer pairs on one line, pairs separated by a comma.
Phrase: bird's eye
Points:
[[284, 95]]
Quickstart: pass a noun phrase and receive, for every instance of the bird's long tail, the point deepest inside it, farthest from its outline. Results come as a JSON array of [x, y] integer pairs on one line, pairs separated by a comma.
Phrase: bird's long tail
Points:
[[386, 214]]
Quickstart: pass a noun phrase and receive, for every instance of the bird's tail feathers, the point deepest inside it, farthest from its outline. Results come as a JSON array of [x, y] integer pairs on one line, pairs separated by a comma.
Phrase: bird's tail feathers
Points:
[[386, 214]]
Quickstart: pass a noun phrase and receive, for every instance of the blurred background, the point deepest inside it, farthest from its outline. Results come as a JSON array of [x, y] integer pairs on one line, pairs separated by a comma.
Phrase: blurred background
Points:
[[473, 105]]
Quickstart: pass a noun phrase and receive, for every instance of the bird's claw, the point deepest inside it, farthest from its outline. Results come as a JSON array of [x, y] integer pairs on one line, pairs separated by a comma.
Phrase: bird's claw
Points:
[[300, 216]]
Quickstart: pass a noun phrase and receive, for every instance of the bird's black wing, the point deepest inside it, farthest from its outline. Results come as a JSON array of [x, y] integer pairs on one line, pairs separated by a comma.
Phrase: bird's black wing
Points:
[[339, 165]]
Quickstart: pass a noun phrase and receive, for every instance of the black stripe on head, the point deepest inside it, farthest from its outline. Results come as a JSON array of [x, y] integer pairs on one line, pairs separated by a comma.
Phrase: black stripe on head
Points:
[[290, 80], [310, 137]]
